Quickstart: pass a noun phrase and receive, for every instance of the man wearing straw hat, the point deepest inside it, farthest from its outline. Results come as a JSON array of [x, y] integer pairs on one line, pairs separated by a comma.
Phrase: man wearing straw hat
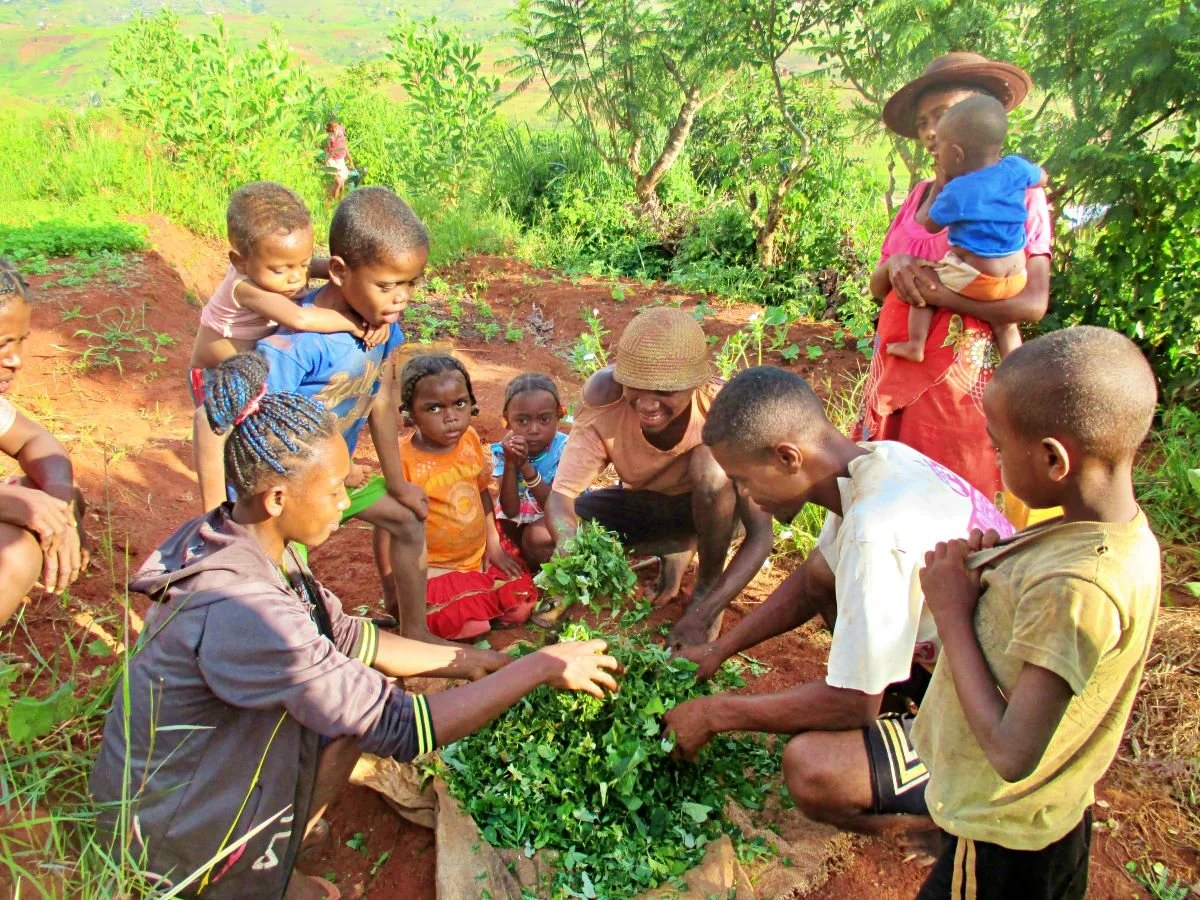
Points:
[[645, 416]]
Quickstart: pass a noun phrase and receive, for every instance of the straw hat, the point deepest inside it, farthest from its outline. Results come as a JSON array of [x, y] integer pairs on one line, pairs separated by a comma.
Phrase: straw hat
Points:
[[1004, 81], [663, 349]]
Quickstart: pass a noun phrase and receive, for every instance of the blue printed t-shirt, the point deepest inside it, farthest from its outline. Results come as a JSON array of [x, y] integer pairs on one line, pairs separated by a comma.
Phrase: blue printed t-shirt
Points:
[[335, 369], [985, 210], [545, 464]]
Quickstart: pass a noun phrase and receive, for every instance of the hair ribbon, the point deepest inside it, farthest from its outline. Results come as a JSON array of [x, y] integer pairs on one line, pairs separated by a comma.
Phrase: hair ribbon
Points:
[[250, 408]]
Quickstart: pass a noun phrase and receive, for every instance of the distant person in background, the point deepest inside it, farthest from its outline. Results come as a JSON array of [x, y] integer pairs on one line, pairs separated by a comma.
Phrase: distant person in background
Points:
[[936, 405], [337, 156], [41, 511]]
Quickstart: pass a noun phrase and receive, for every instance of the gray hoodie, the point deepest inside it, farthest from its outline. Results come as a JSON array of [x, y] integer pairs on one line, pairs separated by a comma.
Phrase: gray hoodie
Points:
[[237, 677]]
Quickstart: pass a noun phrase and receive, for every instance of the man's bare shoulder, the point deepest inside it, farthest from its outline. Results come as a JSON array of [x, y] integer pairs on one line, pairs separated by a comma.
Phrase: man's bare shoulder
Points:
[[601, 389]]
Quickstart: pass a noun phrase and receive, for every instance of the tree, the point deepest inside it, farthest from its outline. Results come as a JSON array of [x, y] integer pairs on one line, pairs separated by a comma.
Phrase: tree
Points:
[[1120, 135], [451, 104], [241, 114], [629, 75], [770, 29]]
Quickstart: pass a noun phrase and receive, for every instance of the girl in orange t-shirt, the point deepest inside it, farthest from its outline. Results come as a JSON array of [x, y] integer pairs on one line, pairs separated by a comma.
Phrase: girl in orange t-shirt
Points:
[[474, 579]]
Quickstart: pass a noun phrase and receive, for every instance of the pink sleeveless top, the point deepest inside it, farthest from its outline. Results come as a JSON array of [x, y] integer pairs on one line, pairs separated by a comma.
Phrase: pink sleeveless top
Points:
[[224, 315]]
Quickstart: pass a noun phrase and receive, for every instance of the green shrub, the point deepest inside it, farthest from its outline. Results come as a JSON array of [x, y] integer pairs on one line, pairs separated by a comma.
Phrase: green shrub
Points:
[[56, 237]]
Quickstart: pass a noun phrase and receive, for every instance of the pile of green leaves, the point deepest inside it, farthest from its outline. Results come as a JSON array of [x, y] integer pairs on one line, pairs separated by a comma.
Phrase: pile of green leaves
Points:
[[594, 781], [593, 566]]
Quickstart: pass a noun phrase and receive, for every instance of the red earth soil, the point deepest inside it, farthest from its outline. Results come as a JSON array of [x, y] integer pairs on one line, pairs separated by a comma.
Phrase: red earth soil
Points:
[[129, 434]]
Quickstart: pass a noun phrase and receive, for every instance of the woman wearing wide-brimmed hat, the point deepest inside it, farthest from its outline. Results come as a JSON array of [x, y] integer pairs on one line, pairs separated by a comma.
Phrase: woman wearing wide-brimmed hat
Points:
[[645, 416], [935, 406]]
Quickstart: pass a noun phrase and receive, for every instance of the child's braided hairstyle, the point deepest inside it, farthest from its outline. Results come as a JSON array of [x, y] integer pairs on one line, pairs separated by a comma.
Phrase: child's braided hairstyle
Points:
[[430, 364], [267, 432], [528, 382], [11, 282]]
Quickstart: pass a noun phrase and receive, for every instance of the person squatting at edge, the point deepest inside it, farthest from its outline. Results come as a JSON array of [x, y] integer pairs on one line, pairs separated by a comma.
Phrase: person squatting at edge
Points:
[[252, 693], [645, 415], [41, 512], [887, 505]]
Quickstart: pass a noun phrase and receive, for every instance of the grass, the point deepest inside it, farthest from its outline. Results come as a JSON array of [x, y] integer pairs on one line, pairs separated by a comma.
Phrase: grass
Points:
[[1167, 481]]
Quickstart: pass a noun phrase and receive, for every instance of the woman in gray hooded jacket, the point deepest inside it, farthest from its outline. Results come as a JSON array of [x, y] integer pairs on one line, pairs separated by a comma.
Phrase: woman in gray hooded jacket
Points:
[[251, 693]]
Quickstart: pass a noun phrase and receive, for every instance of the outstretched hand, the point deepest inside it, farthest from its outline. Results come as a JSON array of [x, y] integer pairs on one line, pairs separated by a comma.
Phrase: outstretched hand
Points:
[[582, 666]]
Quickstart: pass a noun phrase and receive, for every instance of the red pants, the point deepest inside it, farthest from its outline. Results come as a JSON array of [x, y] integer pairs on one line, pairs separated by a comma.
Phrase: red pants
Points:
[[463, 605]]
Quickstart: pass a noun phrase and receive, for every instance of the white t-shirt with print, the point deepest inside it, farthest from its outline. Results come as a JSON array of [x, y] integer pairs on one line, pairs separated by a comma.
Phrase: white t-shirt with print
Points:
[[896, 505]]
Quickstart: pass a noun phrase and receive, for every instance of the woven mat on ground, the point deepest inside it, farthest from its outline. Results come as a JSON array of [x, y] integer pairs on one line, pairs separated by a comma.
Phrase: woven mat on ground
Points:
[[467, 866]]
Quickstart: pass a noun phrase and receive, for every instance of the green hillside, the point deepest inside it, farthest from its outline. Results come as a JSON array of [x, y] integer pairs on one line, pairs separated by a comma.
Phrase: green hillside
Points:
[[59, 50]]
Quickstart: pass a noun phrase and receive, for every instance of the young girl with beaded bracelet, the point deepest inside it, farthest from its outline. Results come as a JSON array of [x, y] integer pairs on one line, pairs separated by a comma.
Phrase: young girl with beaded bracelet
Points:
[[525, 462]]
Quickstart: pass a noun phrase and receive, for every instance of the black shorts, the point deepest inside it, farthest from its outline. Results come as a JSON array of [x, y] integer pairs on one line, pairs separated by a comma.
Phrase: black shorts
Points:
[[974, 870], [638, 516], [898, 777]]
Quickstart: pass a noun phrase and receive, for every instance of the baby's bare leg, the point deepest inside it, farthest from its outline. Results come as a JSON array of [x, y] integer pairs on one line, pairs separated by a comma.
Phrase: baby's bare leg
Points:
[[919, 320], [1008, 338]]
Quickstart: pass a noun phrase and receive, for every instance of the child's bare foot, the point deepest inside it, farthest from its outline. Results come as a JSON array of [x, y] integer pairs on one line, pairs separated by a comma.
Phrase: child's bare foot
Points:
[[910, 350]]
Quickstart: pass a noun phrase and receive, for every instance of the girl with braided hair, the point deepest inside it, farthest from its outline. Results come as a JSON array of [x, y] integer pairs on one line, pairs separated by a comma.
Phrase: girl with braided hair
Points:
[[472, 578], [41, 512], [252, 693]]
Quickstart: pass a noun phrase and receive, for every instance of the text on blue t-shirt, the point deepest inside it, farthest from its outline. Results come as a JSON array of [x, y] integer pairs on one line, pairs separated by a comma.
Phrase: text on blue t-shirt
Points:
[[985, 210], [335, 369]]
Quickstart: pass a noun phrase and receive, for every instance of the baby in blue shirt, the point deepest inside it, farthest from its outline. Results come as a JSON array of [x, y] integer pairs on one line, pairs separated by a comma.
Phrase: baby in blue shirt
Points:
[[983, 206]]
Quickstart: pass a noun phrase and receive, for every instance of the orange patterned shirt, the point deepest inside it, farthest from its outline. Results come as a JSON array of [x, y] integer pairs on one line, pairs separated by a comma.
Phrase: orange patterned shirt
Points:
[[456, 530]]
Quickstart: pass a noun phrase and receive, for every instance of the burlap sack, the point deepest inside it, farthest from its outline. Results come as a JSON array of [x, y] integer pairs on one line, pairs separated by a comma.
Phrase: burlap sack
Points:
[[468, 868]]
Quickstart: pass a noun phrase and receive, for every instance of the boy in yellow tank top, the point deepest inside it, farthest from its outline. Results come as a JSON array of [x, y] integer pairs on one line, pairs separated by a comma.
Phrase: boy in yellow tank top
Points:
[[1046, 633]]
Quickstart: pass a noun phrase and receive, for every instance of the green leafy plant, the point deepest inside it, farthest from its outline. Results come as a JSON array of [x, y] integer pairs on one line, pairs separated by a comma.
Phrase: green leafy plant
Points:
[[357, 842], [55, 238], [1156, 879], [587, 353], [605, 794], [121, 336], [513, 332], [593, 566], [487, 330]]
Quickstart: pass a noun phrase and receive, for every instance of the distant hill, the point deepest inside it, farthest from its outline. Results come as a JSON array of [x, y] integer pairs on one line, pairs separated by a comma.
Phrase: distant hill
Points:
[[58, 49]]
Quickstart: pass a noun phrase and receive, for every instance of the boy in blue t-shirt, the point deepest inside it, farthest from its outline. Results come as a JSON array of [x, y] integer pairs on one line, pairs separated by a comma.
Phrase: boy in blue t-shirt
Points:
[[983, 205], [378, 249]]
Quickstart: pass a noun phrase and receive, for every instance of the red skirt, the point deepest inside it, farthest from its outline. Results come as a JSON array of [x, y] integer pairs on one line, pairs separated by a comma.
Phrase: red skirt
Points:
[[463, 605], [935, 406]]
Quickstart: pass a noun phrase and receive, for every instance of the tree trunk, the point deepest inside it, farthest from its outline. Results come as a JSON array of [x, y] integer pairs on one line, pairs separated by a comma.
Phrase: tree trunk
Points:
[[764, 235], [647, 184]]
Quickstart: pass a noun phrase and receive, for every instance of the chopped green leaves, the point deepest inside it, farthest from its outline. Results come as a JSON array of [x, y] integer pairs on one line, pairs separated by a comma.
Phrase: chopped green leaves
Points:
[[593, 780]]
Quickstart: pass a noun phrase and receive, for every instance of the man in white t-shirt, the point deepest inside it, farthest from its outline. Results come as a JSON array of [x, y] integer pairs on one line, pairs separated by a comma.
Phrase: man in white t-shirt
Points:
[[888, 505]]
